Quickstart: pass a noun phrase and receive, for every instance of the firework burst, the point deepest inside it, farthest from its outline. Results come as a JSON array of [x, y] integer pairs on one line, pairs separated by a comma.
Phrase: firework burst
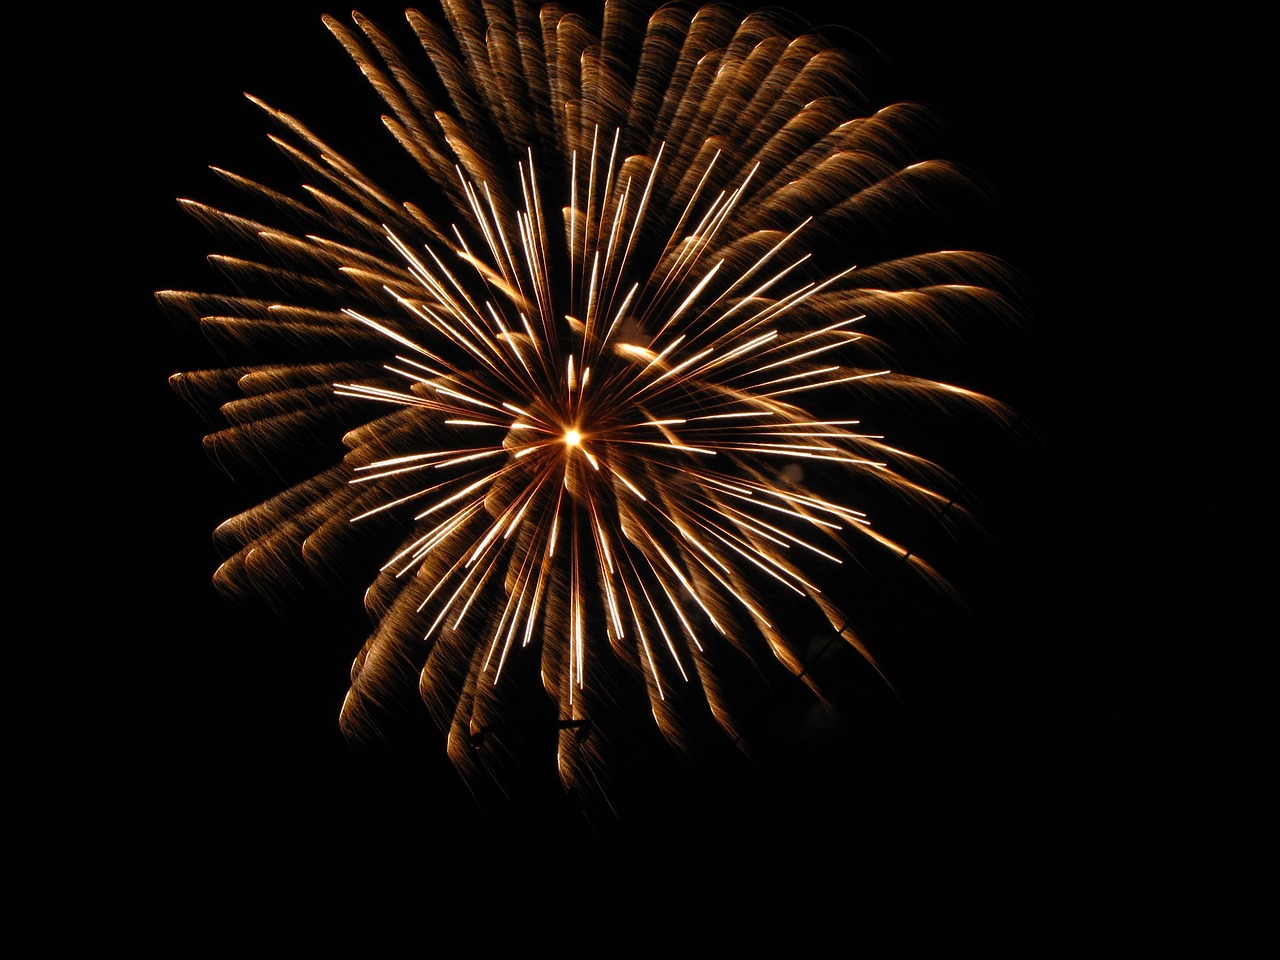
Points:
[[591, 391]]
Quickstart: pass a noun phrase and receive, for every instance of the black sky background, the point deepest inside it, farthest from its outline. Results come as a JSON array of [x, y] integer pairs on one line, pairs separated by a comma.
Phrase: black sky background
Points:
[[1074, 757]]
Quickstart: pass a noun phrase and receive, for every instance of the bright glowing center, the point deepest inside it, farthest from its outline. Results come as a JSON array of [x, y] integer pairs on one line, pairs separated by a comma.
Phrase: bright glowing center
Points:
[[571, 437]]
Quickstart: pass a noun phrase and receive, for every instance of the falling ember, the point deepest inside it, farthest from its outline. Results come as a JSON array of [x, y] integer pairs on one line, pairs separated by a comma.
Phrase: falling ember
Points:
[[566, 386]]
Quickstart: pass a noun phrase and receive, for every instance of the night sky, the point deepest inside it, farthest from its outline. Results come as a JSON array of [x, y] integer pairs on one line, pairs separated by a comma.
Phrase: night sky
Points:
[[1071, 759]]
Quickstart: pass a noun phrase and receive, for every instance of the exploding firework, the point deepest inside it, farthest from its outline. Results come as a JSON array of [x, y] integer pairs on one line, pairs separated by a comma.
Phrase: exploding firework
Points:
[[594, 391]]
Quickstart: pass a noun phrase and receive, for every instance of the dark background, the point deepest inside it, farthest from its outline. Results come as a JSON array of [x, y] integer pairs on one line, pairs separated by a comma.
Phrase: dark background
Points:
[[1074, 755]]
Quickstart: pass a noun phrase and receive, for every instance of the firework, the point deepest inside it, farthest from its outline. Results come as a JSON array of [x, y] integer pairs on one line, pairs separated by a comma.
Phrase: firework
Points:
[[593, 391]]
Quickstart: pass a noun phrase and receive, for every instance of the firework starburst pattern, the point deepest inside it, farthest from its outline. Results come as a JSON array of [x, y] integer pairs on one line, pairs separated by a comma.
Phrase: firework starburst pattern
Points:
[[594, 394]]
